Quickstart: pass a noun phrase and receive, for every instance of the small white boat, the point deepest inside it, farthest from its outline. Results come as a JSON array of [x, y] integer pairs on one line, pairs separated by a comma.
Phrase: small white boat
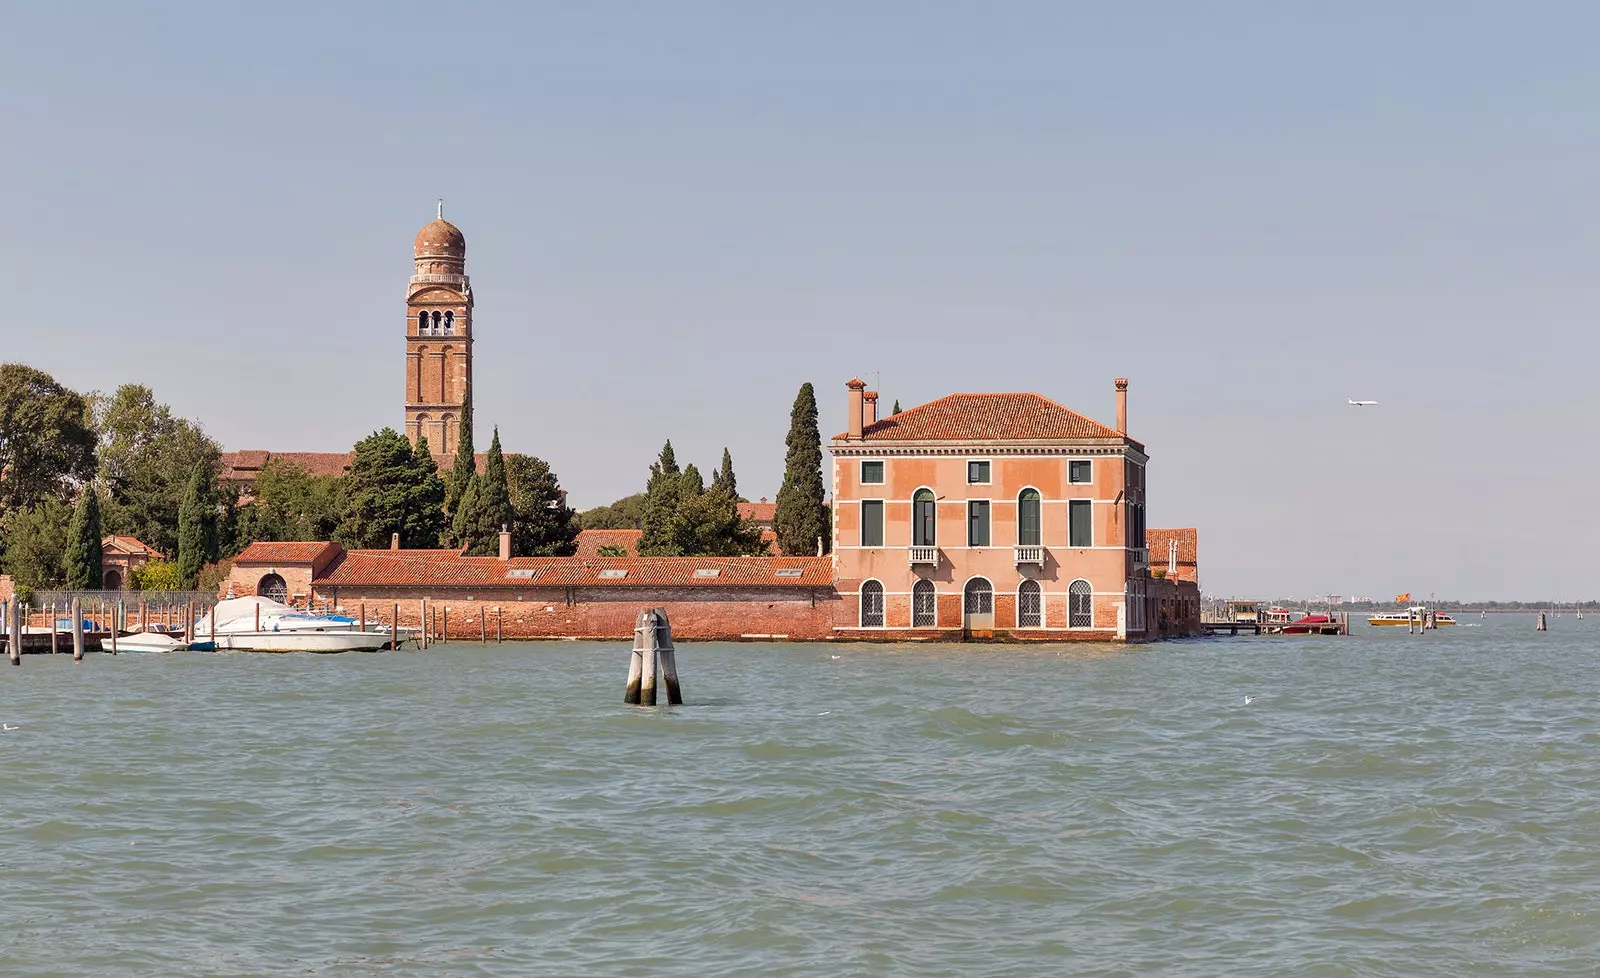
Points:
[[149, 642], [257, 624]]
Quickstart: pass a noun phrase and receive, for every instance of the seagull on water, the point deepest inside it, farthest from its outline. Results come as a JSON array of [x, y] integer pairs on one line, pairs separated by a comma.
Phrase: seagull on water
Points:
[[8, 727], [1248, 700]]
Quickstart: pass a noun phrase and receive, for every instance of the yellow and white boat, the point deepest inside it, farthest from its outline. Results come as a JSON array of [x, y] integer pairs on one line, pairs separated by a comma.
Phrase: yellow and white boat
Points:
[[1411, 616]]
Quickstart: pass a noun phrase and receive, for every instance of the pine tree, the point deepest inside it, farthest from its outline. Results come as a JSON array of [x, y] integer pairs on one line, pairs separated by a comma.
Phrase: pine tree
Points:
[[542, 524], [801, 518], [663, 494], [896, 409], [197, 529], [485, 507], [392, 488], [465, 465], [83, 543]]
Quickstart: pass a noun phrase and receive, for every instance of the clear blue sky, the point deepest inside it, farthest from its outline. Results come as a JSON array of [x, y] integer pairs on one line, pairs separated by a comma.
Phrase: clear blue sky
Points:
[[676, 213]]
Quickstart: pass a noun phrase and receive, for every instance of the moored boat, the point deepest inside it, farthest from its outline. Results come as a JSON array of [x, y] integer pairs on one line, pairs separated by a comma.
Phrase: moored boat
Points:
[[257, 624], [1413, 616], [150, 642]]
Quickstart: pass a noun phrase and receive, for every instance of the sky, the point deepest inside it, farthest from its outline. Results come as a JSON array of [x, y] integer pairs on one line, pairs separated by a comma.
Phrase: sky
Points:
[[677, 213]]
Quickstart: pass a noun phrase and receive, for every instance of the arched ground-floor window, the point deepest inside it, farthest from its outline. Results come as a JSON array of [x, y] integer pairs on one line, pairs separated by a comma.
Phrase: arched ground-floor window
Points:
[[872, 605], [1030, 605], [1080, 605], [273, 587], [111, 580], [924, 605]]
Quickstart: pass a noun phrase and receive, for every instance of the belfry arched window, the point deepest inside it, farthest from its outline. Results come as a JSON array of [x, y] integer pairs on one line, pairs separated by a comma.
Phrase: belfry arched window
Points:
[[872, 605], [437, 320], [449, 321], [422, 323]]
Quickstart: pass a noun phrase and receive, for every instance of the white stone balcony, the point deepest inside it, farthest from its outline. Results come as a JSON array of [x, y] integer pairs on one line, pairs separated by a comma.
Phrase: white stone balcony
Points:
[[925, 555], [1030, 555]]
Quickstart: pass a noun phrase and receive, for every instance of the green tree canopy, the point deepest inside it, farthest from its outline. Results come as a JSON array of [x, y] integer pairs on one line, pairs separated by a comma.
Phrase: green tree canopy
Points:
[[35, 539], [684, 518], [158, 575], [392, 488], [462, 468], [83, 544], [541, 523], [289, 504], [147, 458], [47, 443], [626, 513], [801, 518], [485, 507]]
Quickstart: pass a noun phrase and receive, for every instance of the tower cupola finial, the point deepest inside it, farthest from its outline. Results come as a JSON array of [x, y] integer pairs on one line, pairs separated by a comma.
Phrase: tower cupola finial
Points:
[[441, 208]]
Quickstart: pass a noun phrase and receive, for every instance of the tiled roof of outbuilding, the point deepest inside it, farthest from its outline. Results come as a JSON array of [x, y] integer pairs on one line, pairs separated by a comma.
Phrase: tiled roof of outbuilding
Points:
[[987, 417], [1160, 541], [129, 545], [289, 552]]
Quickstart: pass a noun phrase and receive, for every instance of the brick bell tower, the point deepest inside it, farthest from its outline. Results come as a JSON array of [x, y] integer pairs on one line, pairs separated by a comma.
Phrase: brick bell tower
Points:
[[438, 336]]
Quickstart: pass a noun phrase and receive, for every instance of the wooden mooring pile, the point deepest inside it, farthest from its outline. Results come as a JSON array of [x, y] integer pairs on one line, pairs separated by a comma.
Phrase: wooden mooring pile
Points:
[[653, 658]]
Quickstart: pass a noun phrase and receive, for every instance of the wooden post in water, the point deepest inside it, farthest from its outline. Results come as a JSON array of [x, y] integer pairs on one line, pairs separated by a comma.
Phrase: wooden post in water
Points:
[[394, 634], [652, 646], [483, 625], [13, 621], [363, 616], [77, 629], [114, 616], [211, 627], [499, 632], [668, 657], [188, 624], [52, 628], [444, 625], [422, 624], [1542, 626]]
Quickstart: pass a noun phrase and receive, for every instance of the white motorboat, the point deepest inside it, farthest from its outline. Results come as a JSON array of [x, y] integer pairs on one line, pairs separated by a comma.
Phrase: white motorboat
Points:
[[257, 624], [150, 642]]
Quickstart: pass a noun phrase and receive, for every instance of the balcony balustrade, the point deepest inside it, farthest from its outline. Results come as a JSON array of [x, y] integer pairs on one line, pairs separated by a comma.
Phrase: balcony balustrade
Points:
[[1030, 555], [925, 555]]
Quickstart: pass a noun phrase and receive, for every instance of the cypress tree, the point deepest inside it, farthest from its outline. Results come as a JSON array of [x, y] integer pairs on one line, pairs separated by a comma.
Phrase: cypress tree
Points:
[[197, 531], [725, 479], [663, 494], [83, 543], [465, 465], [485, 507], [896, 408], [802, 518]]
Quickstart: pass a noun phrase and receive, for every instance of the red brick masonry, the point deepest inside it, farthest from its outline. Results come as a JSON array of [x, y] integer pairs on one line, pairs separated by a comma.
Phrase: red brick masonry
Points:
[[707, 598]]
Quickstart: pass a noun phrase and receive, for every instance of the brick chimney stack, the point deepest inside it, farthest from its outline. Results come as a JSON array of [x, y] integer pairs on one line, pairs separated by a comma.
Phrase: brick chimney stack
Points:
[[505, 542], [1122, 404], [394, 541], [869, 401], [858, 388]]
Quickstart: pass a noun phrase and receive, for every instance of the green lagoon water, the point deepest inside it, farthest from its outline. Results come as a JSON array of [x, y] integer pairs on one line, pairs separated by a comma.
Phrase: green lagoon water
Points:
[[1388, 805]]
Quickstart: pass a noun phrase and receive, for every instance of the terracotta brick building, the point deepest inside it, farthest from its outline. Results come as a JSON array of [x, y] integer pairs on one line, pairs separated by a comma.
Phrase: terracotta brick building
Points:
[[120, 556]]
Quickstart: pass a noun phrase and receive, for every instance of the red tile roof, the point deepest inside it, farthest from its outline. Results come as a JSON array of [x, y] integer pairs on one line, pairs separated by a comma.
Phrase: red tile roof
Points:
[[292, 552], [414, 568], [1159, 542], [244, 466], [129, 545], [987, 417], [590, 541], [761, 512]]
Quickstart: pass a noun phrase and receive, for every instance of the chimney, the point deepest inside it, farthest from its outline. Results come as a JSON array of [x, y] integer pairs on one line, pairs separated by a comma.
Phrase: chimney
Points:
[[858, 389], [394, 541], [869, 408], [1122, 404], [505, 543]]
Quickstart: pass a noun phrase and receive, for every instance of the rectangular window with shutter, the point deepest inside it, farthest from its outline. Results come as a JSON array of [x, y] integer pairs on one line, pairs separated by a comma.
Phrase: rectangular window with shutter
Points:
[[1080, 514], [872, 522], [978, 523]]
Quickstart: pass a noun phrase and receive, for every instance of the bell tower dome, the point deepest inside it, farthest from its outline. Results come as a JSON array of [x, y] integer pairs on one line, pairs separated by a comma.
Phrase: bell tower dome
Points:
[[438, 336]]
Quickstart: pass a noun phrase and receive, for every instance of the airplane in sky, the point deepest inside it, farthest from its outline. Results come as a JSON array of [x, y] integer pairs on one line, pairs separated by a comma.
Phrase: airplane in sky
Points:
[[1354, 403]]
